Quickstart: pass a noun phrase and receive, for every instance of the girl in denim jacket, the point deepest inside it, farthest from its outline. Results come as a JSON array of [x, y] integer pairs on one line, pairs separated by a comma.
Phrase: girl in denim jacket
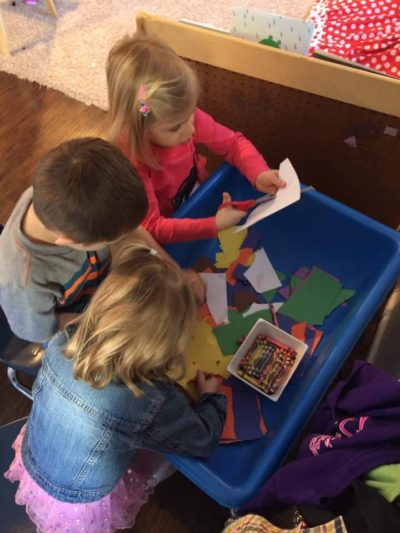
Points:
[[105, 401]]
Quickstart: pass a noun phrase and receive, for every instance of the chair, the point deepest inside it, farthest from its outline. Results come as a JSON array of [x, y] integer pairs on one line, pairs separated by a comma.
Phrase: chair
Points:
[[13, 517], [18, 355]]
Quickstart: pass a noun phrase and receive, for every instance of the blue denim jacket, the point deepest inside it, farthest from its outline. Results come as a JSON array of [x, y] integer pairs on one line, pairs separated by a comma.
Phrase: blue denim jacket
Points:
[[80, 440]]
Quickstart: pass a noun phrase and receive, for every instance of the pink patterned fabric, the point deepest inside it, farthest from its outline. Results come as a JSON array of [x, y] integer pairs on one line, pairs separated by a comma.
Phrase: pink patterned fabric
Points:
[[117, 510]]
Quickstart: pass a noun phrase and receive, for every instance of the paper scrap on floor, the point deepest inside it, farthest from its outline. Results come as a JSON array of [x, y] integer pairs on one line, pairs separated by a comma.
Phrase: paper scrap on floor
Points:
[[284, 197]]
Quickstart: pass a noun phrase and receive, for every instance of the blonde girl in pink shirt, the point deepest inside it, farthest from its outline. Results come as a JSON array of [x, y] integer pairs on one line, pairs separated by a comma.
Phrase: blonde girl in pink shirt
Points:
[[155, 120]]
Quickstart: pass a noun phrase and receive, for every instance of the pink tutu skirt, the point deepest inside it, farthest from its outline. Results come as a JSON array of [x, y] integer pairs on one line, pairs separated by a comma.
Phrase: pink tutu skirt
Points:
[[117, 510]]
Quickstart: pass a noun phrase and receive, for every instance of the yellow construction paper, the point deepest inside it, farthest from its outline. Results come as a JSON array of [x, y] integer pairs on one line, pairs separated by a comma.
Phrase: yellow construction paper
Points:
[[230, 243], [221, 261], [204, 354]]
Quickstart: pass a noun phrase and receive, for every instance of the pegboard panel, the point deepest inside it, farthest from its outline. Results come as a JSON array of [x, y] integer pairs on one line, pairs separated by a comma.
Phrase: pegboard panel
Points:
[[308, 74], [311, 130]]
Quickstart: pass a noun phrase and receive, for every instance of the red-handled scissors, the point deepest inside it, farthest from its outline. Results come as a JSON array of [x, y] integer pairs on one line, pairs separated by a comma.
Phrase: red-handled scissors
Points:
[[245, 205]]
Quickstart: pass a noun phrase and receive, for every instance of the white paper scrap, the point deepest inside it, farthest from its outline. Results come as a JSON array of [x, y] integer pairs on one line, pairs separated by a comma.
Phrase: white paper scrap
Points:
[[391, 131], [351, 141], [217, 299], [261, 274], [284, 197], [255, 308]]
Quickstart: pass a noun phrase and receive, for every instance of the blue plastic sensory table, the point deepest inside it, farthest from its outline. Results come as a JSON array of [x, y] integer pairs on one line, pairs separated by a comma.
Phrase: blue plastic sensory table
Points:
[[362, 253]]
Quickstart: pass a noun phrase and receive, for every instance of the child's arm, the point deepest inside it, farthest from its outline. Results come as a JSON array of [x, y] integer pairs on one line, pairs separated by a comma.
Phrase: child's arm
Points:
[[170, 230], [179, 428], [237, 150]]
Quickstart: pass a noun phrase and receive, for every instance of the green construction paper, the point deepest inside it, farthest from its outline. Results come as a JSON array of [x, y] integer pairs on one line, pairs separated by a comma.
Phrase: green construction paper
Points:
[[239, 326], [343, 296], [314, 299], [233, 314], [270, 295], [294, 281]]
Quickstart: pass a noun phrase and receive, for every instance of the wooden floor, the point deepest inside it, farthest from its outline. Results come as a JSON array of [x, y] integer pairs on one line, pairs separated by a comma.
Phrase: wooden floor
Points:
[[34, 119]]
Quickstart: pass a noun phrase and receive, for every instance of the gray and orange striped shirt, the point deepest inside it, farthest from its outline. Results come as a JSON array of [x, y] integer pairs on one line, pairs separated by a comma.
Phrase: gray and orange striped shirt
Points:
[[38, 281]]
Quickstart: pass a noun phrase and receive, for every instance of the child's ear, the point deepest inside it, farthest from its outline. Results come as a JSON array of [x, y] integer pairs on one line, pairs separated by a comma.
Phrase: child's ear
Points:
[[63, 240]]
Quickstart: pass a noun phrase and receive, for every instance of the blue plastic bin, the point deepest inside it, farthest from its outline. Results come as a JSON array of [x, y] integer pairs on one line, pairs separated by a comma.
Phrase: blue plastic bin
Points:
[[362, 253]]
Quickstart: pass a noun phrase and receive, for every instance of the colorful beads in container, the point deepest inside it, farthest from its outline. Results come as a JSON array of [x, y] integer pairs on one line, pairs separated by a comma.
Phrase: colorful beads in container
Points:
[[267, 364]]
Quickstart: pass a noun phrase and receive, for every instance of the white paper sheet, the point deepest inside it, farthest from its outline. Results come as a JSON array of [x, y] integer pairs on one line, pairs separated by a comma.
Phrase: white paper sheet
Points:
[[284, 197], [254, 308], [217, 299], [261, 274]]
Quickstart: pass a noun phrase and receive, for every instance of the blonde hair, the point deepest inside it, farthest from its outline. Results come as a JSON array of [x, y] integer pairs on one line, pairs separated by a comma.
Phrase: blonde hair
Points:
[[138, 325], [170, 85]]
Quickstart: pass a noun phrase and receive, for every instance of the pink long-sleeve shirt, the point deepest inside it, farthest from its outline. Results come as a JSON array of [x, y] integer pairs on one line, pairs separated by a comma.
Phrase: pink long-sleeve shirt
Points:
[[175, 165]]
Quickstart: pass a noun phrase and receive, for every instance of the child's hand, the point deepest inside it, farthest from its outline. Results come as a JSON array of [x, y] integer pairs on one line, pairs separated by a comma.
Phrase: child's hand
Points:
[[269, 181], [197, 286], [227, 217], [207, 383]]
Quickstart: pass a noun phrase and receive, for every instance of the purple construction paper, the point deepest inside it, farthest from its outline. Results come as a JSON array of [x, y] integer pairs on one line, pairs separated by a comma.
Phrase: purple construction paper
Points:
[[285, 291], [230, 289], [315, 267], [242, 284], [242, 299], [246, 410], [285, 323], [300, 283], [302, 272]]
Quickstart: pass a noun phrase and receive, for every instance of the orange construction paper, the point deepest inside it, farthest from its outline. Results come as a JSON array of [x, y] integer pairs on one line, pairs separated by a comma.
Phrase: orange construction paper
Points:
[[245, 257]]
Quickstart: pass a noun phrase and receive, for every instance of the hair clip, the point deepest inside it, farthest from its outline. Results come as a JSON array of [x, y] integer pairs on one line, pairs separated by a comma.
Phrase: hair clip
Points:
[[152, 251], [144, 108]]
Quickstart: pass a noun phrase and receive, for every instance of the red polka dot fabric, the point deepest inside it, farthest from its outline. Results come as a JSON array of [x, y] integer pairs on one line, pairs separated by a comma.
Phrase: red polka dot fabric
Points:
[[363, 31]]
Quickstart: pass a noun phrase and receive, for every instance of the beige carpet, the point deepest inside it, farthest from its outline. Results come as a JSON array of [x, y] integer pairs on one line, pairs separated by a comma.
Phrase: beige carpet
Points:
[[68, 53]]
